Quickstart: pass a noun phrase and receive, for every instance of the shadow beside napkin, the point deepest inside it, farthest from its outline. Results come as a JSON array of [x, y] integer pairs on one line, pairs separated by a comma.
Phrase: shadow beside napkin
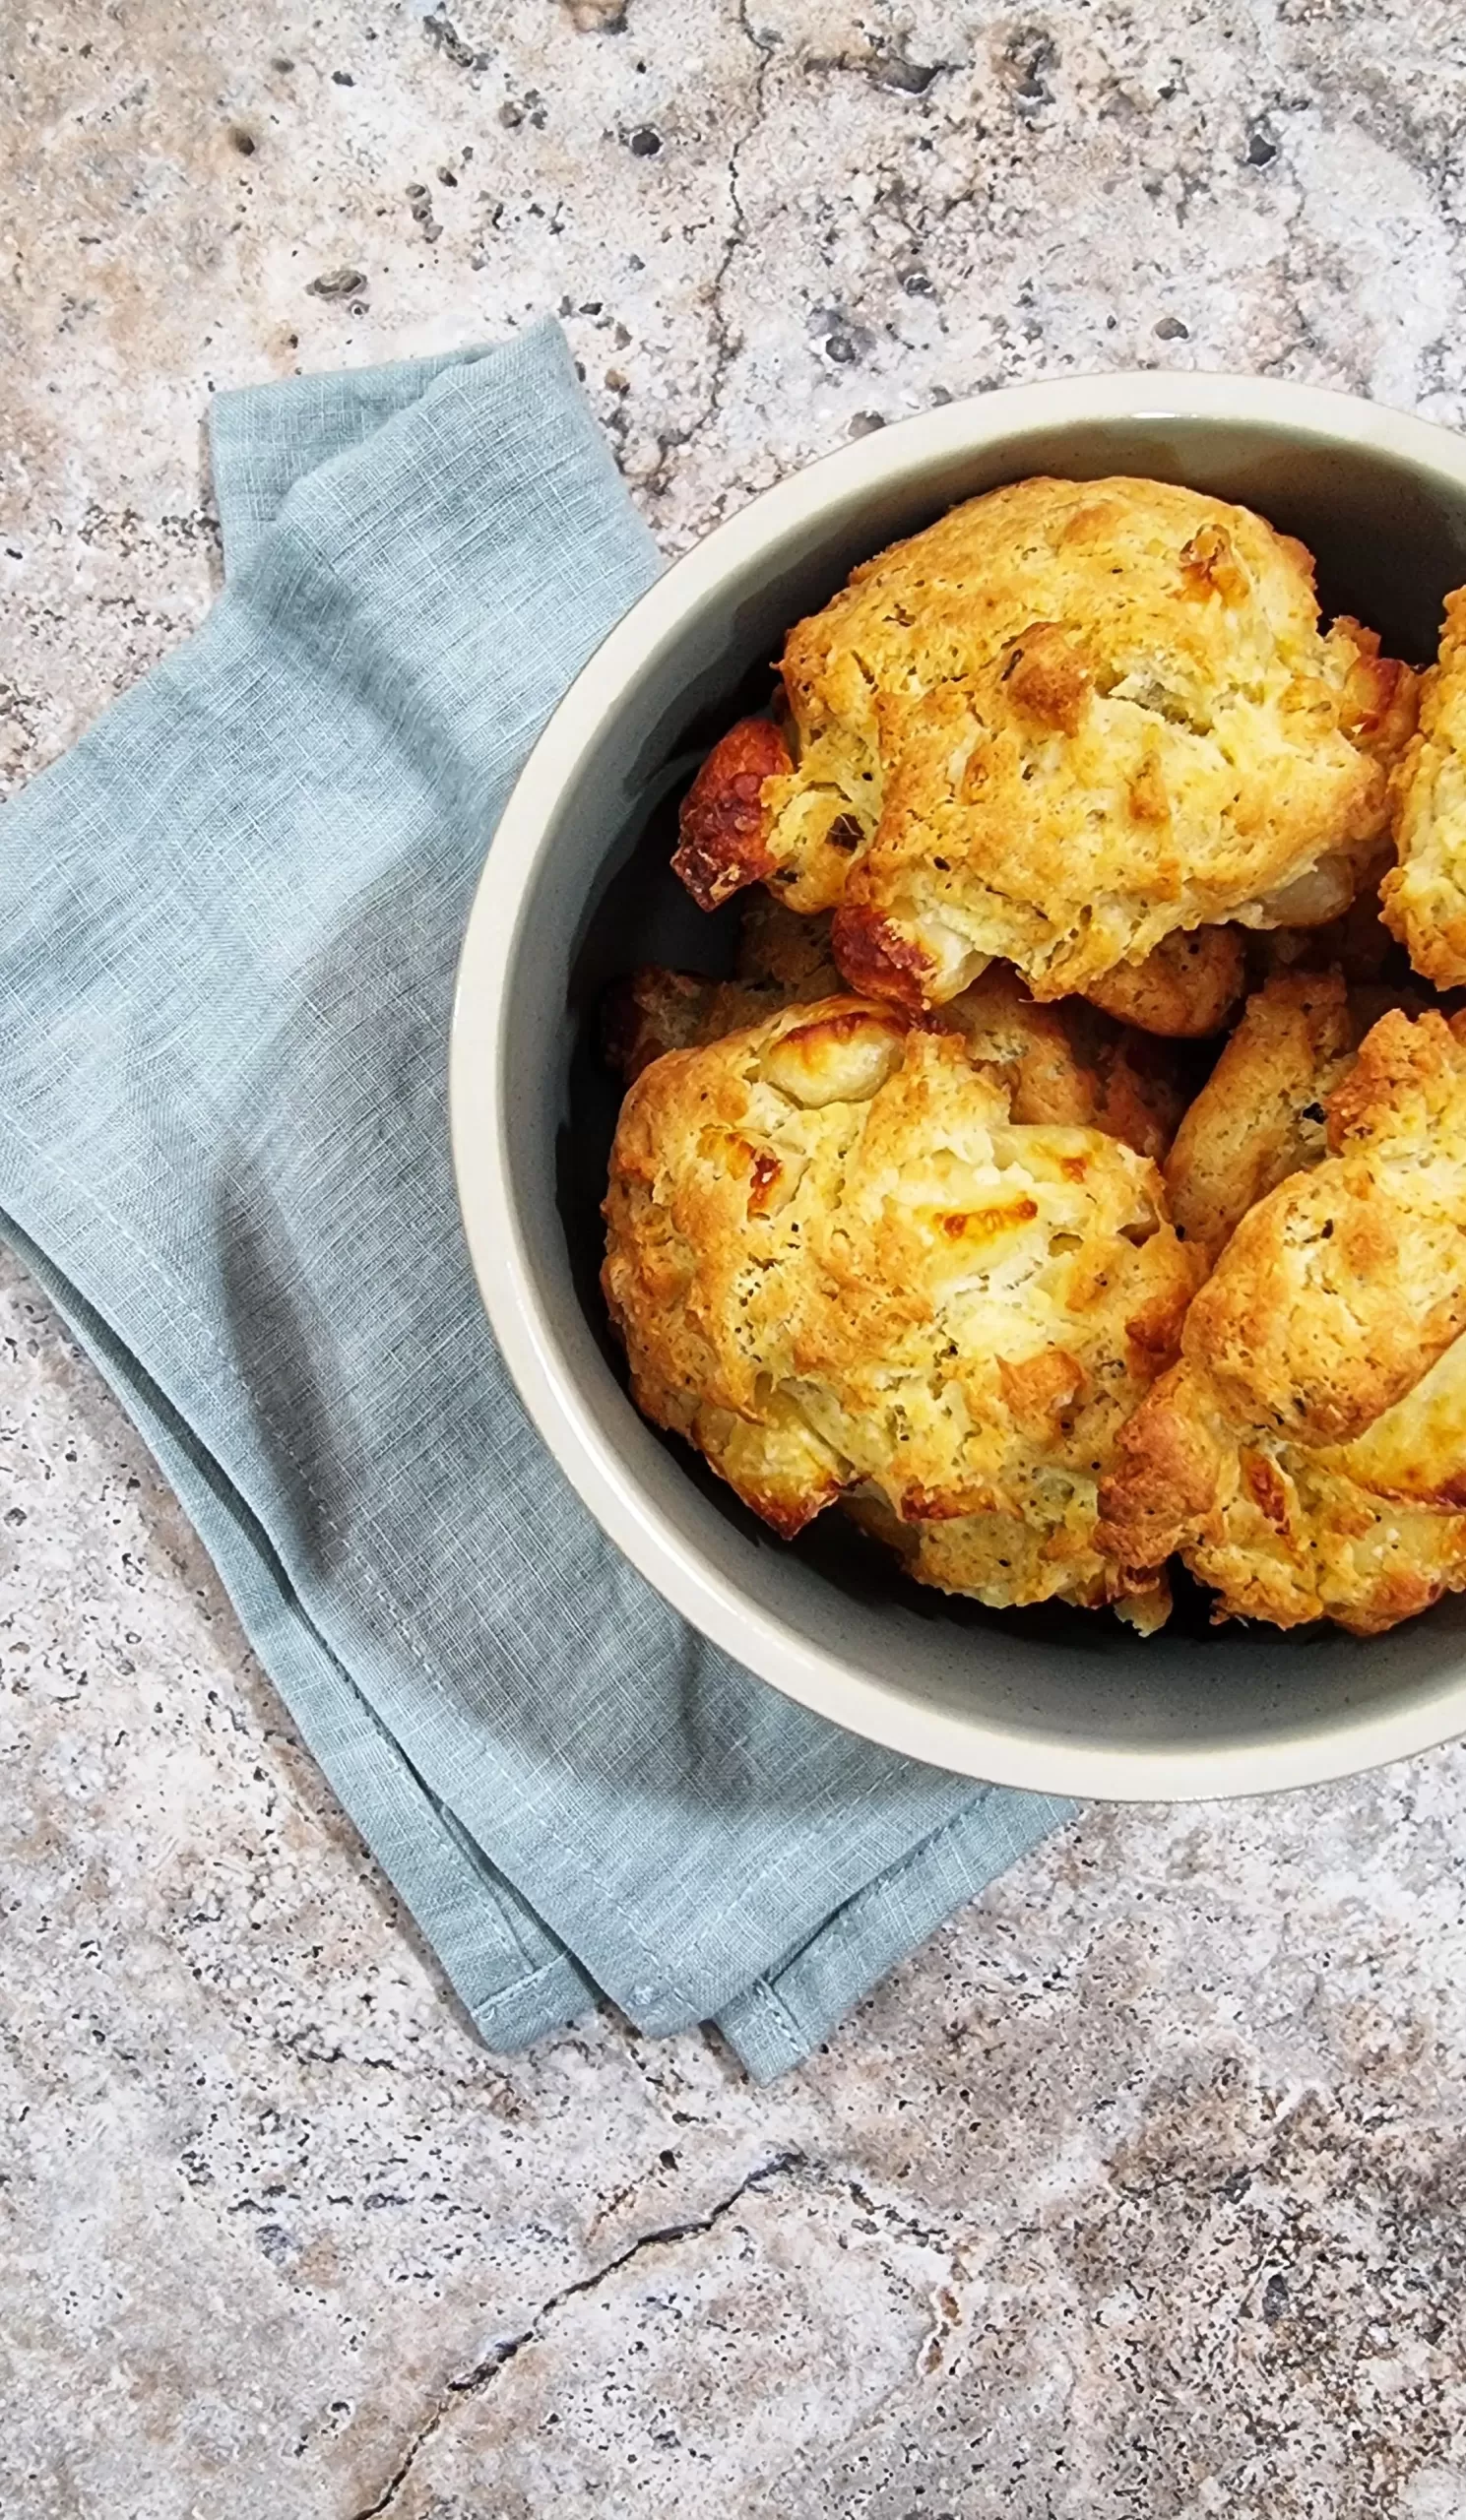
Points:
[[229, 925]]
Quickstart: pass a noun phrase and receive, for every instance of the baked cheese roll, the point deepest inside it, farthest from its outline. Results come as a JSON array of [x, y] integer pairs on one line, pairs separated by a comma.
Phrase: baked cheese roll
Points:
[[1063, 724], [1306, 1457], [843, 1270], [1424, 896]]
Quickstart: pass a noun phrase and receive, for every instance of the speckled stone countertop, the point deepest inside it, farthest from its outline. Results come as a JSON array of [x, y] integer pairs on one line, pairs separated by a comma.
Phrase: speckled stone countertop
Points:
[[1141, 2190]]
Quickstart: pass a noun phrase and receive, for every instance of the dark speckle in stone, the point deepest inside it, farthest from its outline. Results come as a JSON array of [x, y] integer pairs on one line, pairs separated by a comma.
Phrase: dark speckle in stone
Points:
[[343, 282], [342, 78], [282, 62], [1274, 2299], [242, 140], [1172, 329], [1261, 148], [865, 423], [1029, 55], [644, 142], [440, 30], [908, 78], [841, 348]]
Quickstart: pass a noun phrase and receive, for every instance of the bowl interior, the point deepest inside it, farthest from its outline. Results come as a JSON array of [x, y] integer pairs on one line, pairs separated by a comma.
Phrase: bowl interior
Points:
[[1060, 1692]]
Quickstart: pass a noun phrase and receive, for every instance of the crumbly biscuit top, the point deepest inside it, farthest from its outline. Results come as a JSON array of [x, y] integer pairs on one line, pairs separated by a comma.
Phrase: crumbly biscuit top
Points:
[[838, 1264], [1260, 1114], [1063, 723], [1303, 1456], [1113, 716], [1425, 897]]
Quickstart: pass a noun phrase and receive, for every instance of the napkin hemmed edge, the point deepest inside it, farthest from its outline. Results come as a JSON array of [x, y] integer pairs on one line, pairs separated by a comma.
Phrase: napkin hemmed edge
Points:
[[784, 2016]]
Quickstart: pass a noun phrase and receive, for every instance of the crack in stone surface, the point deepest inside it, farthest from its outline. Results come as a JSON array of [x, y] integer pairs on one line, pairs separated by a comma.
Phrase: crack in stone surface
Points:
[[473, 2382], [725, 343]]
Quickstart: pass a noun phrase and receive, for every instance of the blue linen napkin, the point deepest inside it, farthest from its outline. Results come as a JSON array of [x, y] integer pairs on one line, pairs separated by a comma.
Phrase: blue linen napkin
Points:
[[229, 925]]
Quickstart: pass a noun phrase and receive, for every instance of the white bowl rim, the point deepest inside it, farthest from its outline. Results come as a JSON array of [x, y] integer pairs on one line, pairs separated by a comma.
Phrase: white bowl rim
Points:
[[731, 1618]]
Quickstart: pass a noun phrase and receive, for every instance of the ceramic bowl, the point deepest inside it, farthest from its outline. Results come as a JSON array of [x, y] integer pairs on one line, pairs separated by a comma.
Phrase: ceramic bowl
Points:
[[577, 888]]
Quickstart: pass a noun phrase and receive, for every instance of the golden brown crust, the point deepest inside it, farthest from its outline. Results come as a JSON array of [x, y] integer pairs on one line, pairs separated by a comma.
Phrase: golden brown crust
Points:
[[1260, 1116], [1069, 1062], [1184, 988], [724, 822], [841, 1267], [1380, 696], [1305, 1456], [1068, 721], [1166, 1479], [876, 956], [1140, 1096], [1425, 897], [1357, 943]]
